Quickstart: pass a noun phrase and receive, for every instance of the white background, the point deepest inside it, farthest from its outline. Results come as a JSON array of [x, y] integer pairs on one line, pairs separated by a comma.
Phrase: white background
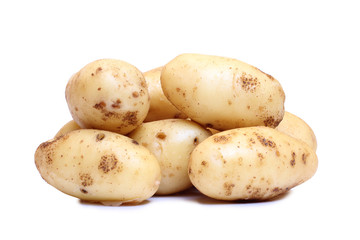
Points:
[[311, 47]]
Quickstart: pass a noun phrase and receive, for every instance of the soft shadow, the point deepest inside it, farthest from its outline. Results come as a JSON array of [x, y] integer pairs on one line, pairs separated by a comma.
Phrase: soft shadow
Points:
[[191, 192], [129, 204], [203, 199]]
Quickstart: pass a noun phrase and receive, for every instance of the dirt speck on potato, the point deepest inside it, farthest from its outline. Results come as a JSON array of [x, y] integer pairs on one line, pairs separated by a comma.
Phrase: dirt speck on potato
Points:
[[100, 106], [134, 142], [135, 94], [303, 157], [265, 142], [271, 122], [204, 163]]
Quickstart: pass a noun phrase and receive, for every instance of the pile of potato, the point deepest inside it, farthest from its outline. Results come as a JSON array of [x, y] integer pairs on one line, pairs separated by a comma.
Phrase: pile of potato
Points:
[[211, 122]]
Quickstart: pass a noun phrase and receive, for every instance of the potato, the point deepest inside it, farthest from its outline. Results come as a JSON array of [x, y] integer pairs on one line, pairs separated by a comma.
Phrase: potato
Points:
[[295, 127], [108, 94], [68, 127], [222, 93], [256, 163], [171, 141], [160, 107], [99, 166]]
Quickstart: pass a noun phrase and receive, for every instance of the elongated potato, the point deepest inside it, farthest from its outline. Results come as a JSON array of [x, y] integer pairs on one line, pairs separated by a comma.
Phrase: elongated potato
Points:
[[68, 127], [250, 163], [171, 141], [295, 127], [99, 166], [108, 94], [160, 107], [222, 93]]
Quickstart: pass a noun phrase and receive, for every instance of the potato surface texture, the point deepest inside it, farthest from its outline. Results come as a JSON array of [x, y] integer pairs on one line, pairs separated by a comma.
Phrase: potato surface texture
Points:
[[171, 141], [222, 93], [295, 127], [254, 163], [160, 107], [108, 94], [99, 166]]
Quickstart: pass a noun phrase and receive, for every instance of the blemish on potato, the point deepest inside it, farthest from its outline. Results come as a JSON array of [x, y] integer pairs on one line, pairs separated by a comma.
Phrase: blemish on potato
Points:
[[131, 118], [116, 104], [204, 163], [196, 141], [86, 179], [248, 82], [99, 89], [161, 135], [99, 137], [271, 122], [277, 153], [265, 142], [83, 190], [221, 139], [178, 89], [99, 69], [228, 188], [303, 157], [101, 105], [292, 161], [135, 94], [108, 163], [134, 142]]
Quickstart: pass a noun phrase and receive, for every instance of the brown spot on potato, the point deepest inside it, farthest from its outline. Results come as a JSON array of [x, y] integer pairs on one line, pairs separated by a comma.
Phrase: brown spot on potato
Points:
[[131, 118], [292, 161], [134, 142], [116, 104], [266, 142], [248, 82], [86, 179], [108, 163], [261, 156], [209, 125], [178, 89], [303, 157], [221, 139], [276, 190], [271, 122], [196, 141], [204, 163], [135, 94], [161, 135], [100, 106], [99, 69], [99, 89], [228, 188], [277, 153], [83, 190], [229, 102], [99, 137]]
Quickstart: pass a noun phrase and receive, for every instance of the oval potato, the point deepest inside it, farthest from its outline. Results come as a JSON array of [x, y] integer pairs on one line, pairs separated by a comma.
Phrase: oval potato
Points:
[[99, 166], [171, 141], [222, 93], [68, 127], [108, 94], [255, 163], [160, 107], [295, 127]]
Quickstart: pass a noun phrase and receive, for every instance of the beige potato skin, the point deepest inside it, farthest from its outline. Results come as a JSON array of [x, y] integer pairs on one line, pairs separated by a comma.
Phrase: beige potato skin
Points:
[[160, 107], [295, 127], [222, 93], [68, 127], [99, 166], [254, 163], [108, 94], [171, 141]]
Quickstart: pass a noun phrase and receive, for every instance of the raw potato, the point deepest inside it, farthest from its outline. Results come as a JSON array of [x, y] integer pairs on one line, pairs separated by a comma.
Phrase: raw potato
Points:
[[255, 163], [108, 94], [99, 166], [295, 127], [160, 107], [222, 93], [68, 127], [172, 142]]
